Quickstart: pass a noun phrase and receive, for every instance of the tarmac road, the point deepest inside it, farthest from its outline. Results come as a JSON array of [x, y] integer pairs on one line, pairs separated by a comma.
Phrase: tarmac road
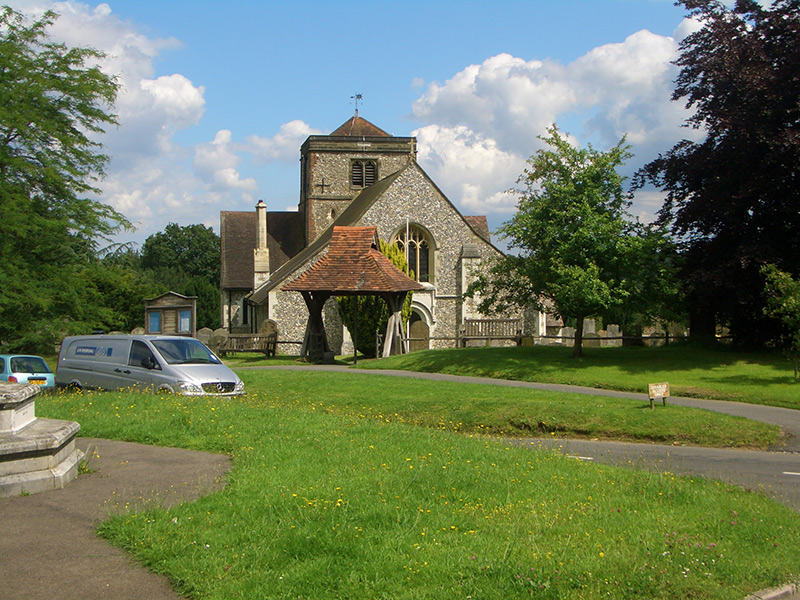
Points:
[[776, 473]]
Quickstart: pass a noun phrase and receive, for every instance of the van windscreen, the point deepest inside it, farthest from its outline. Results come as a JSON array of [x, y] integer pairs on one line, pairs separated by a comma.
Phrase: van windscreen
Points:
[[184, 351]]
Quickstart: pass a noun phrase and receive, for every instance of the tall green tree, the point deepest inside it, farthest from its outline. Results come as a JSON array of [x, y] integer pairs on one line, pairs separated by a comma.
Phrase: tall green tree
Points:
[[733, 197], [54, 102], [186, 260], [193, 249], [783, 303], [649, 270], [574, 249], [373, 313], [117, 294]]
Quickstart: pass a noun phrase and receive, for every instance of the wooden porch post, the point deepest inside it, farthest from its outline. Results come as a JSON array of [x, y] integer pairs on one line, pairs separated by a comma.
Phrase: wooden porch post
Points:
[[395, 342], [315, 341]]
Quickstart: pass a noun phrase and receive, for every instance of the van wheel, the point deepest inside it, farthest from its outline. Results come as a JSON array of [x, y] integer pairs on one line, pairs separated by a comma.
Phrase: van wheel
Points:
[[74, 386], [165, 390]]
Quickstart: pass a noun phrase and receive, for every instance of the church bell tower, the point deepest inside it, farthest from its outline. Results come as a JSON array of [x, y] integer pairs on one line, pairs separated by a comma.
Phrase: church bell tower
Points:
[[336, 168]]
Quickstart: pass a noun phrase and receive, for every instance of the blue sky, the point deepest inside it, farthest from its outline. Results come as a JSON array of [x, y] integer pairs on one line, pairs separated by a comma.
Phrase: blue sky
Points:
[[216, 97]]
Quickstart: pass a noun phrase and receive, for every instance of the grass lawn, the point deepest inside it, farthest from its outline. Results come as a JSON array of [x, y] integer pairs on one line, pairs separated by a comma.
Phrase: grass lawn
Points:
[[247, 359], [691, 371], [327, 499], [516, 412]]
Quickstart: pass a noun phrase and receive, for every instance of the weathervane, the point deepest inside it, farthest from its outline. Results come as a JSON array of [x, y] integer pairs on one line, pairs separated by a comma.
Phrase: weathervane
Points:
[[357, 98]]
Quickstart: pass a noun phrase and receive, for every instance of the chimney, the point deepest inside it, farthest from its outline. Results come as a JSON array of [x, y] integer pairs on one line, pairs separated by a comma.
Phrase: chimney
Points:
[[261, 251]]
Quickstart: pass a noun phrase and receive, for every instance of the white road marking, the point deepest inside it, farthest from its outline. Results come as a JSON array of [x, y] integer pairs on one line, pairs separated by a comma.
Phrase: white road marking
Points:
[[790, 473], [591, 458]]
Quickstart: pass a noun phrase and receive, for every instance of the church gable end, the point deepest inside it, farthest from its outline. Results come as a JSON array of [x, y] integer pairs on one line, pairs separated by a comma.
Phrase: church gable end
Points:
[[435, 225]]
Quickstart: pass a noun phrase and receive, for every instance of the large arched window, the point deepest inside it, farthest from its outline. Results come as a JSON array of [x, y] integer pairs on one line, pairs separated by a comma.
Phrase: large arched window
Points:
[[419, 252]]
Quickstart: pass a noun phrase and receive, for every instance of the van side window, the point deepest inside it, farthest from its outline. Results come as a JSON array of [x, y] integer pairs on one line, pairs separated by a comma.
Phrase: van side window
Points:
[[139, 353]]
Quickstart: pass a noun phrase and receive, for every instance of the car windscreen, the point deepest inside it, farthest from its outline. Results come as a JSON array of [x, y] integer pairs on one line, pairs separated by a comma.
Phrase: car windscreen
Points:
[[29, 364], [185, 351]]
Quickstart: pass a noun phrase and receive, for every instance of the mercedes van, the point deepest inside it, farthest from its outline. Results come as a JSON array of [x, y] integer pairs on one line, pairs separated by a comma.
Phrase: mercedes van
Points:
[[159, 363]]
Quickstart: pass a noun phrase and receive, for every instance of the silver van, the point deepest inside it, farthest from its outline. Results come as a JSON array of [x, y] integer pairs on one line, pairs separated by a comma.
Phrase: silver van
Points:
[[155, 362]]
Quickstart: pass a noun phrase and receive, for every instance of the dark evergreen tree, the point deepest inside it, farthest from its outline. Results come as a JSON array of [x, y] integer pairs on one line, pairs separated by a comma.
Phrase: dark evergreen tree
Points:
[[733, 199], [193, 249]]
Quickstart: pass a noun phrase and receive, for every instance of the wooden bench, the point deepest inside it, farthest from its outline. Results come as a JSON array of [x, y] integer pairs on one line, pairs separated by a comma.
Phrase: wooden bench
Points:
[[491, 329], [249, 342]]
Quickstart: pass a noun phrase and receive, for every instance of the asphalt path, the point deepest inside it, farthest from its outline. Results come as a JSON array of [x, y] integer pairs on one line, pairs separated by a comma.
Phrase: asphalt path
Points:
[[776, 471]]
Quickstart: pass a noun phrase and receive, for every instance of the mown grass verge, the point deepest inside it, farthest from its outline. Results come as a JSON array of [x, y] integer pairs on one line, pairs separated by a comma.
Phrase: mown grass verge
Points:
[[722, 374], [329, 504], [503, 411]]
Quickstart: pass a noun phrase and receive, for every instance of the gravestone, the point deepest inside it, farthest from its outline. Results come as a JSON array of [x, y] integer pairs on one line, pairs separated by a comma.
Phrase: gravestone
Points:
[[218, 339], [36, 455], [613, 331], [589, 327], [591, 340], [204, 335], [268, 327]]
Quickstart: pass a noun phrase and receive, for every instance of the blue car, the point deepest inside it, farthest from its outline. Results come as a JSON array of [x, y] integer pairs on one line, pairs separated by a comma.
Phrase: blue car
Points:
[[20, 368]]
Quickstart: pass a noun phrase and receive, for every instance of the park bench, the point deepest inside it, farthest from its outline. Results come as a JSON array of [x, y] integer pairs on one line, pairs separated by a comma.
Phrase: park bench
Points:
[[489, 330], [249, 342]]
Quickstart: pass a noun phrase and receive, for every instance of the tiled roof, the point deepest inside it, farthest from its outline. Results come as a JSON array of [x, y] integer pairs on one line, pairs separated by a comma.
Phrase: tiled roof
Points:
[[351, 215], [358, 127], [480, 225], [237, 232], [353, 264], [176, 294], [285, 238]]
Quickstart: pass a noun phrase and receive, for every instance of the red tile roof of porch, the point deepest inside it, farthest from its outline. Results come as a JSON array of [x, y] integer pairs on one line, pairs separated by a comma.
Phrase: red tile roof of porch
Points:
[[353, 265]]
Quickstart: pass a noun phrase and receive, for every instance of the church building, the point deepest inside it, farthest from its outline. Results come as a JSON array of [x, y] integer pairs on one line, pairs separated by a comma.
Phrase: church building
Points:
[[357, 176]]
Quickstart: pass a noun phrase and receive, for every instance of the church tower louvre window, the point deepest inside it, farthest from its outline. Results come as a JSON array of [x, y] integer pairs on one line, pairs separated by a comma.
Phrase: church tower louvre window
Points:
[[363, 173]]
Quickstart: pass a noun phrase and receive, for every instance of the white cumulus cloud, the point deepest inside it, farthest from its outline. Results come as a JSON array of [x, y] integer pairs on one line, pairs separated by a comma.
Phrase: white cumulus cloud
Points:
[[284, 145], [471, 165], [217, 163], [480, 125]]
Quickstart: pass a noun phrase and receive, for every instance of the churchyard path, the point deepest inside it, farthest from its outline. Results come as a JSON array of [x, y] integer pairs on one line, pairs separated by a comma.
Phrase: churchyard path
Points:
[[48, 544]]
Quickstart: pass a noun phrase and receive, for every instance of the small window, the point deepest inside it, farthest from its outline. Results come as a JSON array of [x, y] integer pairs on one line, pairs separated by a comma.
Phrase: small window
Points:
[[363, 173], [185, 321], [154, 322]]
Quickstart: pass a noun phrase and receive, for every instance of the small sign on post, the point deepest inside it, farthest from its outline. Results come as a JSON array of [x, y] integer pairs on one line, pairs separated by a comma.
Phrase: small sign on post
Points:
[[658, 391]]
